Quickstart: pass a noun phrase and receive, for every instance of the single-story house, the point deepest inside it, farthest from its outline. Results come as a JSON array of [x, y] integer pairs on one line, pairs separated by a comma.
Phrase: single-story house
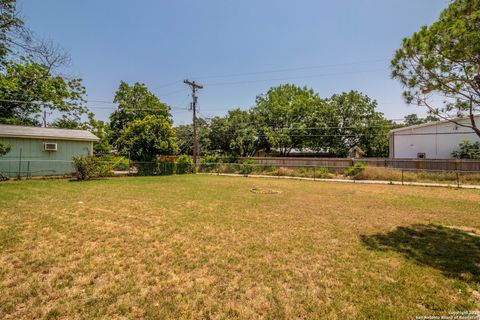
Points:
[[39, 151], [432, 140]]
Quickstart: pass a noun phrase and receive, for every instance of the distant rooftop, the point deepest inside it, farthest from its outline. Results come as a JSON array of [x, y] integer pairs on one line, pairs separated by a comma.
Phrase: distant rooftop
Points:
[[46, 133]]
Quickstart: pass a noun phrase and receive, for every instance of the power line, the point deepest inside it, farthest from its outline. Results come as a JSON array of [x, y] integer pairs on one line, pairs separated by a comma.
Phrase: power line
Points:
[[290, 69], [293, 78]]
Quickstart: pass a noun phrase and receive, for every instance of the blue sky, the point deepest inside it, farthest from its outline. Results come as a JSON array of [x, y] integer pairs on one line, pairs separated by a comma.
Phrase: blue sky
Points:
[[237, 49]]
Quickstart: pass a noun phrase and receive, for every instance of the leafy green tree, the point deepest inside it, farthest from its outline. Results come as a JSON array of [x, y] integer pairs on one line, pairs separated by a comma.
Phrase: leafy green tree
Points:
[[66, 123], [413, 119], [441, 61], [9, 22], [144, 139], [236, 134], [26, 86], [4, 148], [134, 103], [102, 130], [281, 114], [350, 120], [185, 137], [467, 150]]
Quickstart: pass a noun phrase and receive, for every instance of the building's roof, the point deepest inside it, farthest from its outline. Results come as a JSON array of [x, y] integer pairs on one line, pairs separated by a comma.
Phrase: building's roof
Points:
[[46, 133], [434, 123]]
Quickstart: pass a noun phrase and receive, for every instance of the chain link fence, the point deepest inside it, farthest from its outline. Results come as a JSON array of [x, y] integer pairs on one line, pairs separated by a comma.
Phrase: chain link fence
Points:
[[39, 168]]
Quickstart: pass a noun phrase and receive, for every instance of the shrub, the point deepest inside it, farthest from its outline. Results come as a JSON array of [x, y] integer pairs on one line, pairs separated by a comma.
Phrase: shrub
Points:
[[287, 172], [322, 173], [91, 167], [184, 164], [380, 173], [165, 168], [145, 168], [468, 150], [247, 166], [356, 169], [208, 163], [4, 148], [119, 163]]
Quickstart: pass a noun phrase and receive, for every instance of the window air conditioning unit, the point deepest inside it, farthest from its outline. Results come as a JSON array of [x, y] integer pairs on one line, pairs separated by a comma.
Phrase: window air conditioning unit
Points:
[[48, 146]]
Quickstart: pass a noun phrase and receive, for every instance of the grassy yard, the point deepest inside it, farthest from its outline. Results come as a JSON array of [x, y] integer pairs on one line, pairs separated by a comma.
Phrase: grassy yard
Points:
[[206, 247]]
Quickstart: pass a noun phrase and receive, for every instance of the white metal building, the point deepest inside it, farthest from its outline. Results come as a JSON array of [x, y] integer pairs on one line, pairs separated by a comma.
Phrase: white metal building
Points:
[[433, 140]]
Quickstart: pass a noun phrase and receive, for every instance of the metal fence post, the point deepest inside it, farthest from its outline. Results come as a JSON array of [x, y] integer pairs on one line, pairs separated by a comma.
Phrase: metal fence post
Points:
[[458, 179], [19, 165], [314, 171], [28, 169], [402, 176]]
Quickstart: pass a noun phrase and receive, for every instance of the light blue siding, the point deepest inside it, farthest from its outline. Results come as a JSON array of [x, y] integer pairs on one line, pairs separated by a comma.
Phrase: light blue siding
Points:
[[36, 162]]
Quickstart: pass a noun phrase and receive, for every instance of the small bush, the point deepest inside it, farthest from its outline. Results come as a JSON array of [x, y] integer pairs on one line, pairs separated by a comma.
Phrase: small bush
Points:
[[247, 166], [91, 167], [165, 168], [119, 163], [380, 173], [226, 168], [208, 163], [184, 164], [322, 173], [287, 172], [356, 169]]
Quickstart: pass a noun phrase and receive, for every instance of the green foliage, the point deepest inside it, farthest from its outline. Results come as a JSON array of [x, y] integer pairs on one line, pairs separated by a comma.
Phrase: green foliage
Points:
[[322, 173], [234, 134], [247, 166], [289, 117], [184, 164], [4, 148], [66, 123], [413, 119], [148, 137], [134, 103], [91, 167], [281, 114], [9, 21], [355, 169], [209, 163], [141, 127], [468, 150], [27, 85], [119, 163], [102, 130], [350, 120], [442, 60], [184, 135]]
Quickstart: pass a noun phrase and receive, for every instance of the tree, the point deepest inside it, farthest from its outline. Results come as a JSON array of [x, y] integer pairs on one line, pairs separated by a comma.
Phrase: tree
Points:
[[4, 148], [26, 86], [281, 114], [134, 103], [235, 134], [9, 22], [102, 130], [413, 119], [184, 135], [350, 120], [144, 139], [442, 61], [66, 123], [467, 150]]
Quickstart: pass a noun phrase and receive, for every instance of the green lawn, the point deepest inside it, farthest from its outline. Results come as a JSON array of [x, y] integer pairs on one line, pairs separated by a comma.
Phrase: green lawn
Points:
[[205, 247]]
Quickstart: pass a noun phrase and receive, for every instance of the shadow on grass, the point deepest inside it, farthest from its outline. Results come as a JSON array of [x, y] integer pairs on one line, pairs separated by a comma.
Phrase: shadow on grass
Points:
[[455, 253]]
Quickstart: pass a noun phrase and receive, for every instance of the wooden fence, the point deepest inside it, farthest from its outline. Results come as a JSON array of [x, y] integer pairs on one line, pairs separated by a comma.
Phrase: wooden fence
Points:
[[418, 164]]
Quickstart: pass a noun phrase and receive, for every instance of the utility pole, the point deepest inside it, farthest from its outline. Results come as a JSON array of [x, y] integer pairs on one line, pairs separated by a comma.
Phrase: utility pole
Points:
[[44, 117], [193, 107]]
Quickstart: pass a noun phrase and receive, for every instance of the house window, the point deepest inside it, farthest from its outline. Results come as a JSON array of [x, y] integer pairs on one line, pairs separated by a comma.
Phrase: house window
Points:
[[421, 155]]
